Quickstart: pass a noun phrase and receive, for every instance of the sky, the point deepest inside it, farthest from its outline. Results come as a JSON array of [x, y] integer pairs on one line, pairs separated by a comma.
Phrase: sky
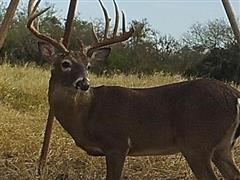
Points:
[[172, 17]]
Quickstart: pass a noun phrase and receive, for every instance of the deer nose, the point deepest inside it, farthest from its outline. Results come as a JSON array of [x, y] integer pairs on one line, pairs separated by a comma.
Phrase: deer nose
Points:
[[82, 83]]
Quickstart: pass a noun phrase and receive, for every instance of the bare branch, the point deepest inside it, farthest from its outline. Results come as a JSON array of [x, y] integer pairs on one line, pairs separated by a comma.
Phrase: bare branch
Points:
[[232, 19], [69, 22], [7, 20]]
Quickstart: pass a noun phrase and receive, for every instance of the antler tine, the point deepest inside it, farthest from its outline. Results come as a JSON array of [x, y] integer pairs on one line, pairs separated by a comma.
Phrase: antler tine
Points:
[[80, 44], [123, 22], [94, 35], [107, 19], [36, 5], [32, 6], [35, 32], [116, 19], [114, 39], [107, 42]]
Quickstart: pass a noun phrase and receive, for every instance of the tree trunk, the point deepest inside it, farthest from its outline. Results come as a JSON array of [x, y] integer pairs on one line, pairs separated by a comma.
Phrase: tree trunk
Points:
[[7, 20], [232, 19], [69, 22]]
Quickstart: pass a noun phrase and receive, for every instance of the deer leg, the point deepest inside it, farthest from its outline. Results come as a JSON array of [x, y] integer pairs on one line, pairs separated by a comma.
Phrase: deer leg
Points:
[[201, 166], [115, 162], [224, 161]]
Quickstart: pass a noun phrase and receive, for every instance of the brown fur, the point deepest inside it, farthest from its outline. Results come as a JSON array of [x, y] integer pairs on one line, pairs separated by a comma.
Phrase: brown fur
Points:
[[189, 117], [198, 118]]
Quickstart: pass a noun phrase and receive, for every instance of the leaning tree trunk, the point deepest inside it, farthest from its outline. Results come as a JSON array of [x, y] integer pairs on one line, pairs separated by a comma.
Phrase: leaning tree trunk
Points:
[[7, 20], [232, 19], [69, 22]]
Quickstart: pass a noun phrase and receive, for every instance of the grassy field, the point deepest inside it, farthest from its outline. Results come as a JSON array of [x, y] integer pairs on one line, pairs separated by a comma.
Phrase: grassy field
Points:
[[23, 109]]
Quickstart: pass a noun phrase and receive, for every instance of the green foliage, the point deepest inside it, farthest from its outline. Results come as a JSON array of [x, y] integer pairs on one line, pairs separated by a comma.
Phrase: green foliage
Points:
[[213, 34], [82, 31], [148, 51], [20, 45], [220, 63]]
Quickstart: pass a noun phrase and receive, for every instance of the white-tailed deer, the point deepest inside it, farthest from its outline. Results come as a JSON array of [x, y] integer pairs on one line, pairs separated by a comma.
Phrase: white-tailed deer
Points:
[[198, 118]]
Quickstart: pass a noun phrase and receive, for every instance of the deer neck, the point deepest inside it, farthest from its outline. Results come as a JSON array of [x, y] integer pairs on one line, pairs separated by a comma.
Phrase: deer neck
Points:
[[69, 98], [70, 106]]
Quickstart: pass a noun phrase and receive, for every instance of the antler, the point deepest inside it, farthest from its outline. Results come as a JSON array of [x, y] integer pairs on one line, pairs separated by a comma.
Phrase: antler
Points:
[[114, 39], [32, 15], [62, 45]]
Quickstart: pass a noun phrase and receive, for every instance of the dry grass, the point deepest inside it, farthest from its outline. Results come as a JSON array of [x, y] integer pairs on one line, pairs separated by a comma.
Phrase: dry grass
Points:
[[23, 108]]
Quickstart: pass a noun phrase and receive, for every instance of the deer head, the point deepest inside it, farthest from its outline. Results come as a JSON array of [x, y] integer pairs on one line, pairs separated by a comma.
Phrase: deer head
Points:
[[70, 68]]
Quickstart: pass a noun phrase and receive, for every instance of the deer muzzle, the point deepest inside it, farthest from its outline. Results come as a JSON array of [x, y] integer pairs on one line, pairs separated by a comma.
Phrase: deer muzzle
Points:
[[82, 84]]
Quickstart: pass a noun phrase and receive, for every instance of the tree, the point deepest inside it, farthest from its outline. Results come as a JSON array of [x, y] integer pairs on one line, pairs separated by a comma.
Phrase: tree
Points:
[[213, 34], [221, 64], [142, 31], [7, 20], [165, 45]]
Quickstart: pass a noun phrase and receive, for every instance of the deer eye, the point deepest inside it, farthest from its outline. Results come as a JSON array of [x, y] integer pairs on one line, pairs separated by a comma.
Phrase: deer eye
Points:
[[66, 65], [88, 66]]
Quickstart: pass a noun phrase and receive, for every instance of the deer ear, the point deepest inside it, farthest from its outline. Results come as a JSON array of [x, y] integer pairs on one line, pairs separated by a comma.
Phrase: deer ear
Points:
[[100, 55], [47, 50]]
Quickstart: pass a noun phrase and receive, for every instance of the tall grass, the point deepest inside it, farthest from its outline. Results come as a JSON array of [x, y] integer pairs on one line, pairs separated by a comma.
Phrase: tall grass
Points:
[[23, 109]]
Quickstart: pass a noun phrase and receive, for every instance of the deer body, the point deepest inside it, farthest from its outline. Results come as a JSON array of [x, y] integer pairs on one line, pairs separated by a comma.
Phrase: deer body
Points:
[[115, 113], [198, 118], [151, 121]]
